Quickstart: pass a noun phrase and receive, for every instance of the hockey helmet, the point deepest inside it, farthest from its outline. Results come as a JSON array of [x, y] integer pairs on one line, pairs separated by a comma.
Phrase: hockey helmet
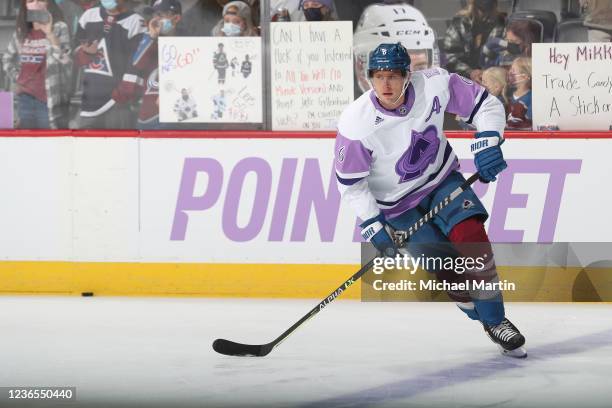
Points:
[[389, 57], [392, 23]]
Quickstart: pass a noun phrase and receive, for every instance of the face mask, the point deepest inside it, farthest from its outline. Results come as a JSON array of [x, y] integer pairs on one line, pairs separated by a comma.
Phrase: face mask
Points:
[[109, 4], [35, 6], [313, 14], [514, 79], [166, 26], [185, 97], [231, 29], [514, 48]]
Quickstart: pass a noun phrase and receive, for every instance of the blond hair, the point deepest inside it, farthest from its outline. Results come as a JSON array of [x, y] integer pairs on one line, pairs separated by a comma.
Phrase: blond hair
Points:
[[498, 75], [523, 64]]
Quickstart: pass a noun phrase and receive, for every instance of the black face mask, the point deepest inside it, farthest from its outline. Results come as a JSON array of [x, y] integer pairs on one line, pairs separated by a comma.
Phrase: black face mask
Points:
[[514, 48], [313, 14]]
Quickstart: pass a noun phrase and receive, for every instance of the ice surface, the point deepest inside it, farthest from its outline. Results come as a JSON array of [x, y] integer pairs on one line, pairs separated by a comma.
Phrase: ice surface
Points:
[[156, 352]]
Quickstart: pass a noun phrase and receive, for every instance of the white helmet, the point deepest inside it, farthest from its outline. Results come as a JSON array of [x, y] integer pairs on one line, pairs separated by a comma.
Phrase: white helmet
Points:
[[392, 23]]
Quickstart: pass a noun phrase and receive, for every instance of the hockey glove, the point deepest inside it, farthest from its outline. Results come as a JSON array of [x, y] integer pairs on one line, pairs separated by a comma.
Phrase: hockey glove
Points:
[[488, 156], [374, 231]]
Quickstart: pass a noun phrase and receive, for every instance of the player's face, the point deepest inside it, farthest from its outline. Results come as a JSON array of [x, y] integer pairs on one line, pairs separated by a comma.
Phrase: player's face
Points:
[[418, 61], [389, 86]]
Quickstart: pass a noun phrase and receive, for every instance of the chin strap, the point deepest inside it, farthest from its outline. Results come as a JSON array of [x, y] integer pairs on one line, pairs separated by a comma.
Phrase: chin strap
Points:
[[401, 95], [406, 82]]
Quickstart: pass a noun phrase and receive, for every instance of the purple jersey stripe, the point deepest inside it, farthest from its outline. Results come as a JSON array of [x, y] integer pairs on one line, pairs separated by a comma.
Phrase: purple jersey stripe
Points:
[[412, 200], [463, 93], [351, 156], [348, 181]]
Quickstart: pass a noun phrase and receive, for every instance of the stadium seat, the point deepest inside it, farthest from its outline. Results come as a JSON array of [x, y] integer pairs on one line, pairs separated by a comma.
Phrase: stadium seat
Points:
[[547, 19], [571, 31], [563, 9]]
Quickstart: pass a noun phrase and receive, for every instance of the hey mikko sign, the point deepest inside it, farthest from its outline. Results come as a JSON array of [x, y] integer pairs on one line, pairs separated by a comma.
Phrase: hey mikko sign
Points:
[[572, 86]]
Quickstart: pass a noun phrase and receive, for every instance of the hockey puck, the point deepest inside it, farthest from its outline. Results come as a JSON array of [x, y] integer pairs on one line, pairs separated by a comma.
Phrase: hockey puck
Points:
[[87, 294]]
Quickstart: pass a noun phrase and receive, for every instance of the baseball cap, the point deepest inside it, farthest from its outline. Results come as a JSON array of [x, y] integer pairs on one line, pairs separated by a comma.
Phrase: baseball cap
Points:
[[173, 6]]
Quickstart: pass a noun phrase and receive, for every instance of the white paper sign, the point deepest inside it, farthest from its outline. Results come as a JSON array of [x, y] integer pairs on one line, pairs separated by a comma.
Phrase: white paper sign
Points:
[[312, 74], [572, 86], [210, 80]]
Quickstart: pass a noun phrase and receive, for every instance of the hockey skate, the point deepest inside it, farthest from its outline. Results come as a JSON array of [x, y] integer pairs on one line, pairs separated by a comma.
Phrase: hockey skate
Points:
[[508, 338]]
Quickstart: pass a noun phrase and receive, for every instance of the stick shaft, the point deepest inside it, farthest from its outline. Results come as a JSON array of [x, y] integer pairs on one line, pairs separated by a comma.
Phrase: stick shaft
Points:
[[340, 289]]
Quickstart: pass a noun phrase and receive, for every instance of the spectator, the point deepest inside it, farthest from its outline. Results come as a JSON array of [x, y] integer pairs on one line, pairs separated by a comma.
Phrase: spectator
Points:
[[38, 61], [199, 20], [467, 34], [519, 79], [598, 19], [495, 80], [73, 10], [295, 9], [165, 18], [520, 35], [236, 21], [108, 36], [317, 10]]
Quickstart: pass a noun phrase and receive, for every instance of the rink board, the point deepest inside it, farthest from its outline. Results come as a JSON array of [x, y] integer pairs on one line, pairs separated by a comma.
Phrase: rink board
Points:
[[220, 214]]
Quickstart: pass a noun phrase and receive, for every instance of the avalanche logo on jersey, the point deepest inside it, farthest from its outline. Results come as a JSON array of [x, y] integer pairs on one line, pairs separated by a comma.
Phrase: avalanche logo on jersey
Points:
[[153, 83], [421, 153], [100, 64]]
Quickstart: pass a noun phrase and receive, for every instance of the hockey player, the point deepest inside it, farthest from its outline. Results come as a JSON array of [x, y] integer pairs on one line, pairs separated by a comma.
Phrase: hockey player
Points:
[[393, 164], [220, 63], [246, 66], [185, 107], [219, 105], [385, 23]]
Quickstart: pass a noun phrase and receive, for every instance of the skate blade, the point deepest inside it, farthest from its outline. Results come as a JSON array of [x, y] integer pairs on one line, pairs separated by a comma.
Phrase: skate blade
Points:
[[520, 352]]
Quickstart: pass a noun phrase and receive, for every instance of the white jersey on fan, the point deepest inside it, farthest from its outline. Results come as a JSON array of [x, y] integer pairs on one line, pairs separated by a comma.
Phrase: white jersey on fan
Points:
[[390, 160]]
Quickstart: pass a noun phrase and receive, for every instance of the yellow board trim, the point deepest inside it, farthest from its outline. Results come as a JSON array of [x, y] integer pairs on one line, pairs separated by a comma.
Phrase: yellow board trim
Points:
[[540, 284], [176, 279]]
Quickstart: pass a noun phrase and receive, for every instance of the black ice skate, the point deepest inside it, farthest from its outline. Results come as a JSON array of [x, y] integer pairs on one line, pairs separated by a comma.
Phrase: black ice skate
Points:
[[508, 338]]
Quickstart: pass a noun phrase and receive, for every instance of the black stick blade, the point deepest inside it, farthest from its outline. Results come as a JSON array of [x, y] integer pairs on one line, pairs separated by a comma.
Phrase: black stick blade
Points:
[[229, 348]]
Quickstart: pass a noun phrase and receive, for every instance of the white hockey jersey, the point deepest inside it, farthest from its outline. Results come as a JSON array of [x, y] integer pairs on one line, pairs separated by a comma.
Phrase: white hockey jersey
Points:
[[390, 160]]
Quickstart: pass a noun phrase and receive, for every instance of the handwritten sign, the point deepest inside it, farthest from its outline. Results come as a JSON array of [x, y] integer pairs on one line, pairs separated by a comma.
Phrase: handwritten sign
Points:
[[312, 74], [210, 80], [572, 86]]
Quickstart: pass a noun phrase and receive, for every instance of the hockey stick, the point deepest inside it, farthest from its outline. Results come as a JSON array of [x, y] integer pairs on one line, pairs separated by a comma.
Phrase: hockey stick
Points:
[[231, 348]]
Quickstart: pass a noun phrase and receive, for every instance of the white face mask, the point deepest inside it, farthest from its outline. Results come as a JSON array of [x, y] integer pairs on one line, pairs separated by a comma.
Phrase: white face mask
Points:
[[231, 29], [109, 4], [165, 26]]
